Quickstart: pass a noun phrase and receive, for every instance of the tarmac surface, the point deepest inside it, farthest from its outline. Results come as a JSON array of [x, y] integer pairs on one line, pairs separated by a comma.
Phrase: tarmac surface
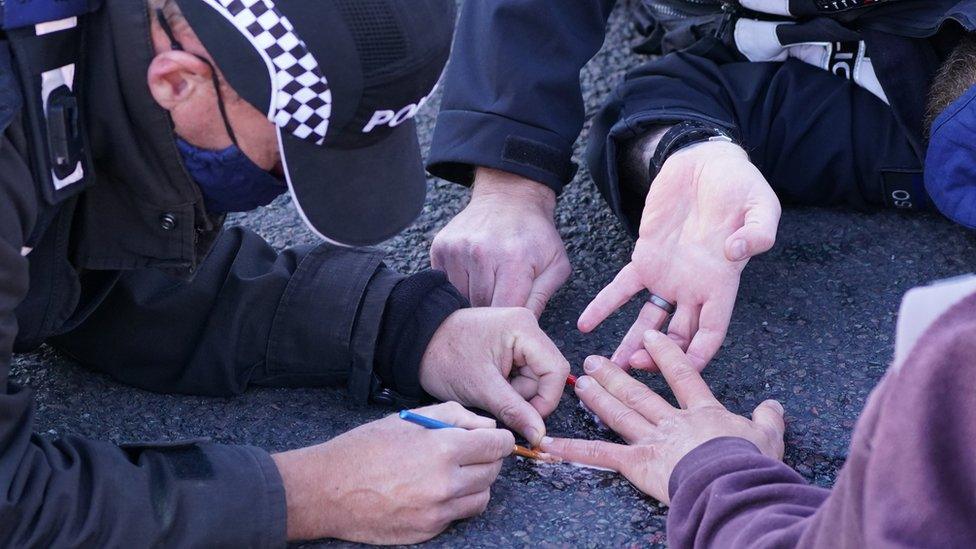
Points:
[[813, 327]]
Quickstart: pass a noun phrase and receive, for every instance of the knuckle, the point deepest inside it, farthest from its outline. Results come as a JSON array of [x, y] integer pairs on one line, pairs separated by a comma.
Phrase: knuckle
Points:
[[635, 396], [699, 357], [440, 240], [479, 252], [445, 242], [455, 406], [660, 344], [483, 478], [519, 318], [482, 501], [509, 249], [647, 452], [621, 417], [496, 469], [537, 300], [684, 373], [766, 240], [564, 268], [436, 519], [454, 489], [509, 414], [524, 316], [591, 450]]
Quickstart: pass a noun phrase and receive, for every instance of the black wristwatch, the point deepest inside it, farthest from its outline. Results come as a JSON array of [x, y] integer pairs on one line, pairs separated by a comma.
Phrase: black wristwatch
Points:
[[685, 134]]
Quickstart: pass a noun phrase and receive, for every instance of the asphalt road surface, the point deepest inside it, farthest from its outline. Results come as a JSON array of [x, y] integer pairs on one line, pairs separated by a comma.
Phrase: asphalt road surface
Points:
[[812, 327]]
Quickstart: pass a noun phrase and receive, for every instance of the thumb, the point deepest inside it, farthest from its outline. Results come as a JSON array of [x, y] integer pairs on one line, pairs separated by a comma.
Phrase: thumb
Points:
[[769, 416], [757, 233], [508, 406], [547, 283]]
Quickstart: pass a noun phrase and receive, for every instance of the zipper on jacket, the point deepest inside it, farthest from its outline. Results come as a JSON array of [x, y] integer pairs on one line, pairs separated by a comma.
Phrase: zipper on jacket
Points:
[[731, 10]]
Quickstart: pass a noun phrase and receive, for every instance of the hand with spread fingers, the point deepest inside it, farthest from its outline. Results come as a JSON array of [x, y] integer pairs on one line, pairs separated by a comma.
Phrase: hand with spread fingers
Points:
[[499, 360], [658, 435], [707, 212]]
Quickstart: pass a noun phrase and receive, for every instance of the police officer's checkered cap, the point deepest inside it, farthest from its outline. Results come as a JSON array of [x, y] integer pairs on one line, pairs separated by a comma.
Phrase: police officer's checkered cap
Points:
[[301, 102]]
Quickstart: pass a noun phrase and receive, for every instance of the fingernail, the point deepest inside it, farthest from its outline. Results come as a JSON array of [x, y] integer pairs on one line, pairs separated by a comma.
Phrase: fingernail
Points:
[[591, 364], [652, 335], [779, 407], [546, 441], [738, 250], [583, 382], [534, 435]]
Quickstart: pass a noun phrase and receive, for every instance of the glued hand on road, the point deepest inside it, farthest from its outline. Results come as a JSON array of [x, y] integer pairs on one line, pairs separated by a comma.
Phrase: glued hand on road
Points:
[[658, 435]]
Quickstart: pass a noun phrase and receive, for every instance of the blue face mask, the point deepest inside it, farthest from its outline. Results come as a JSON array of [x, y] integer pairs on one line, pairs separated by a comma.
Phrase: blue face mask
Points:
[[950, 163], [229, 181]]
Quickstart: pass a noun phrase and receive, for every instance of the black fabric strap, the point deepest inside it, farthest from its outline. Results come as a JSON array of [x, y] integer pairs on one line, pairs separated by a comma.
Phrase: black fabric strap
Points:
[[416, 308], [683, 135]]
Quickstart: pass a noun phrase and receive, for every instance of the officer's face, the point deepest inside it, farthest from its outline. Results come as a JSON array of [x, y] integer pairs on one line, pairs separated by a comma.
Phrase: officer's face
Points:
[[181, 82]]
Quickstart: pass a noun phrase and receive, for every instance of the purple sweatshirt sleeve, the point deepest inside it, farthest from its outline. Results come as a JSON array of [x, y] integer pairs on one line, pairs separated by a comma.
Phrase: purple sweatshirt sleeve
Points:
[[909, 480], [725, 493]]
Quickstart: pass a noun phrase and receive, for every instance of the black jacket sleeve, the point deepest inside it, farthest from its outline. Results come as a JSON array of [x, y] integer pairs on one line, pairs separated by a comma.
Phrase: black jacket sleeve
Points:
[[818, 139], [308, 316], [512, 98], [73, 492]]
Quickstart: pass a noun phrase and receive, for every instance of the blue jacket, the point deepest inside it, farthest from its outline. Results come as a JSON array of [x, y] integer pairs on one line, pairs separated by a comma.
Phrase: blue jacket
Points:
[[512, 98]]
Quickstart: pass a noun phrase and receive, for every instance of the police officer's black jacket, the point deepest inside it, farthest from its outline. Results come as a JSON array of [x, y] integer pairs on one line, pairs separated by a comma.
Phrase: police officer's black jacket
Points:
[[130, 276], [512, 97]]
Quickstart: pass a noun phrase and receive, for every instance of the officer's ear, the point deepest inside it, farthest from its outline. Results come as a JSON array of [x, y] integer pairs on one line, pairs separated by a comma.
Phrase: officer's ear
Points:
[[176, 77]]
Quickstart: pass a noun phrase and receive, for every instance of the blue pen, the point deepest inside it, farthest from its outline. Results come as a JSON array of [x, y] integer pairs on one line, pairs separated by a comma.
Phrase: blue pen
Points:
[[424, 421], [431, 423]]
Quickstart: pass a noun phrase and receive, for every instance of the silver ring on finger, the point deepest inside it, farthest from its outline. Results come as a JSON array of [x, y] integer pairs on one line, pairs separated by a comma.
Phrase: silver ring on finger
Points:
[[662, 303]]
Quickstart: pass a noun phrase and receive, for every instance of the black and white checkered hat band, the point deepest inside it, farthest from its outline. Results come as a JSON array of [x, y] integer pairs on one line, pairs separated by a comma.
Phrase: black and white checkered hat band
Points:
[[301, 103]]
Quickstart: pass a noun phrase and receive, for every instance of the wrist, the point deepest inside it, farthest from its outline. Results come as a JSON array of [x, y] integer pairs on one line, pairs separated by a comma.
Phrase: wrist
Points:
[[307, 511], [497, 184], [416, 309], [710, 150], [684, 135]]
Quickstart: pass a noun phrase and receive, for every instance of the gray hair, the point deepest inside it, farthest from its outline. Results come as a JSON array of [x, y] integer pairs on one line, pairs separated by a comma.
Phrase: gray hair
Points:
[[956, 75]]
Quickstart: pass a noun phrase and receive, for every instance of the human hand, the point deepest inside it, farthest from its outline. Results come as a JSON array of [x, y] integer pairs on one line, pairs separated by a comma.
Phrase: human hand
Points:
[[706, 214], [393, 482], [498, 360], [502, 249], [659, 435]]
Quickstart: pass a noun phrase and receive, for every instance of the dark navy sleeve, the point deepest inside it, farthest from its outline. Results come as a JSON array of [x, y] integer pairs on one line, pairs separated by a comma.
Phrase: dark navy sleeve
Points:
[[512, 98], [307, 316], [75, 492], [818, 139]]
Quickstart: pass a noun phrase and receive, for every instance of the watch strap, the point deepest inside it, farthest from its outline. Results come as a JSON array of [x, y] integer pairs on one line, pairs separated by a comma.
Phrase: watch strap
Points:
[[685, 134]]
